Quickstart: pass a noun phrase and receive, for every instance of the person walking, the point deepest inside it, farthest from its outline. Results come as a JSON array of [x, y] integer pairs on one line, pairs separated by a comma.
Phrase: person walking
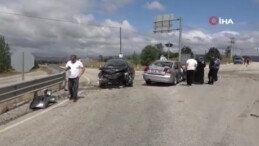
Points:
[[75, 70], [191, 65], [247, 61], [212, 71], [200, 71]]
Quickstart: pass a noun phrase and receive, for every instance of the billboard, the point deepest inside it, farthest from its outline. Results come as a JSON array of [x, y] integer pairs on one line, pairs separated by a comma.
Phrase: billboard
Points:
[[163, 23]]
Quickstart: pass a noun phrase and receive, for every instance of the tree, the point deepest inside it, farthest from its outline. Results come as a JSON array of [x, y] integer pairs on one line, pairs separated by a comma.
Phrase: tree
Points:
[[134, 58], [171, 54], [187, 50], [160, 48], [228, 51], [149, 54], [100, 58], [5, 59], [213, 52]]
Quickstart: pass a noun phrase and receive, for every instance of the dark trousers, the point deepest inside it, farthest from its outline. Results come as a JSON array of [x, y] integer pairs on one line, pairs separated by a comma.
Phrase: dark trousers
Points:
[[73, 87], [190, 76], [212, 76], [199, 76], [216, 74]]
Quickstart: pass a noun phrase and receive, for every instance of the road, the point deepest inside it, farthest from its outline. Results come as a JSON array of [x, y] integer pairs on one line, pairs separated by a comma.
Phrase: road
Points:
[[156, 115]]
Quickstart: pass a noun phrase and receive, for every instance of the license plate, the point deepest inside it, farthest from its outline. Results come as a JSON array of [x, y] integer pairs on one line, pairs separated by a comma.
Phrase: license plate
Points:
[[155, 71]]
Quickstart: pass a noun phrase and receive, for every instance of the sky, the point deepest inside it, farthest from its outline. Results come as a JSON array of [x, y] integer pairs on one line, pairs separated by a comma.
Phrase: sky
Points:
[[91, 27]]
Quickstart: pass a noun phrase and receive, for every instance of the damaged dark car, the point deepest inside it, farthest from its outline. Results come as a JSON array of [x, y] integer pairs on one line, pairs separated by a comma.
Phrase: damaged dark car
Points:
[[116, 72]]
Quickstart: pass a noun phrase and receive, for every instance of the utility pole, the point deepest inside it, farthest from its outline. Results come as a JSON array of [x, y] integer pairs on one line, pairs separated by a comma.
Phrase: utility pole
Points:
[[180, 39], [120, 42], [232, 41], [168, 45]]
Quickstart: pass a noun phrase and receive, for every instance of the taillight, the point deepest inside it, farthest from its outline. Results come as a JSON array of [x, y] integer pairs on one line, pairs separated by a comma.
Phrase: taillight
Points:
[[167, 70], [146, 69]]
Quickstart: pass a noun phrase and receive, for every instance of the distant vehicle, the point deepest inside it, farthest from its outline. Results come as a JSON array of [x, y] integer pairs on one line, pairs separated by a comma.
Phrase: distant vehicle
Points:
[[116, 72], [237, 60], [164, 72]]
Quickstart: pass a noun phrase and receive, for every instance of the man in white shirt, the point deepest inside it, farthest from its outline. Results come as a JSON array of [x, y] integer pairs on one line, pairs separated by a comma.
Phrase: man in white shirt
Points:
[[191, 65], [75, 69]]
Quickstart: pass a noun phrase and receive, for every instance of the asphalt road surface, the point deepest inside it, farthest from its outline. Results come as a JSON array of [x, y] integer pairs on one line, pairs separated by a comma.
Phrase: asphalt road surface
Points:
[[157, 115]]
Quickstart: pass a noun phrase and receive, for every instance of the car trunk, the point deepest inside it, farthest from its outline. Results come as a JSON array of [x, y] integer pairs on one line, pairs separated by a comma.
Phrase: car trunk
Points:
[[157, 70]]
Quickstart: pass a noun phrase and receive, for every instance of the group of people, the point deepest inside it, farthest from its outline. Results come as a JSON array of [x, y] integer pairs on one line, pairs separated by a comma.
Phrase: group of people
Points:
[[195, 70]]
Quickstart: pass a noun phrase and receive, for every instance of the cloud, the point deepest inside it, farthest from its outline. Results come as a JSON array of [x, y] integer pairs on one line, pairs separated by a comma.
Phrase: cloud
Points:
[[113, 5], [54, 38], [155, 5], [86, 35]]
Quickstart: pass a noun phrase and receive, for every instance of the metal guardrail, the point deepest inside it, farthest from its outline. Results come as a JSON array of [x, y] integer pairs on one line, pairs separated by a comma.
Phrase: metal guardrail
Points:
[[15, 90]]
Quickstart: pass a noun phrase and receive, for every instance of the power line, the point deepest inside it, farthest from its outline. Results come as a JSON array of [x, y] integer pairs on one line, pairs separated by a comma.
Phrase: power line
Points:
[[36, 17], [73, 22]]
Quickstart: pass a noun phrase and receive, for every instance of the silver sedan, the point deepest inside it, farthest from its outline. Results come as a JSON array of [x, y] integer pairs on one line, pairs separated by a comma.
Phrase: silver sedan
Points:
[[163, 72]]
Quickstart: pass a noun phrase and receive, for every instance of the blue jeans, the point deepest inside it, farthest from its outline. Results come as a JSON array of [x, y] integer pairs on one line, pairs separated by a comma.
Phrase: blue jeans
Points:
[[73, 87]]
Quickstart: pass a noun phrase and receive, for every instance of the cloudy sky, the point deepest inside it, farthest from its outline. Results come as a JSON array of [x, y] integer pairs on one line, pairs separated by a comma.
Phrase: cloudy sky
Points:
[[62, 27]]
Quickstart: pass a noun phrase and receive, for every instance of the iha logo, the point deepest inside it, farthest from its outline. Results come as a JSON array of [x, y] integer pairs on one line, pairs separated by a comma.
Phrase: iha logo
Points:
[[215, 20]]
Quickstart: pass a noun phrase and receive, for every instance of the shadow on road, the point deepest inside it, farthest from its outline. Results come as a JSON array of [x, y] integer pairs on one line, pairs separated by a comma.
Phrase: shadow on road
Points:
[[158, 85]]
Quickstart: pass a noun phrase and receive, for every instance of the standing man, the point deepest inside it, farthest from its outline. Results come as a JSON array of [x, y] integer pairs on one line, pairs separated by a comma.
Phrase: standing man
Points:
[[217, 65], [191, 65], [200, 70], [212, 71], [75, 69]]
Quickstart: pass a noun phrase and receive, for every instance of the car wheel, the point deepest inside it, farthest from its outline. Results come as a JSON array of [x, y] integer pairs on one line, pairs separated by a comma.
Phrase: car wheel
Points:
[[175, 81], [181, 78], [101, 85], [148, 82], [131, 84]]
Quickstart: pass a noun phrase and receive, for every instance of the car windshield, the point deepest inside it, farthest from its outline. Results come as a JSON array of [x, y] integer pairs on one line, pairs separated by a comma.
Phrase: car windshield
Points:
[[163, 64], [115, 64]]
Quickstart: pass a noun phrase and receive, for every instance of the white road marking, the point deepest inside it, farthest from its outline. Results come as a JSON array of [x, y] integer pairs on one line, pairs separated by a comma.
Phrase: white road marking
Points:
[[88, 80], [32, 117], [40, 113]]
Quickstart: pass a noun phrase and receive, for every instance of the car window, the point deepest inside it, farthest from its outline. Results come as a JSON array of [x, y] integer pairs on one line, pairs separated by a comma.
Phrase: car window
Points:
[[163, 64]]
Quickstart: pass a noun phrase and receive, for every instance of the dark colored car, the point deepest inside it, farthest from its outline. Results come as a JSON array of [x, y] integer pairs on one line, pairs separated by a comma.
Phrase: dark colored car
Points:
[[116, 72], [237, 60]]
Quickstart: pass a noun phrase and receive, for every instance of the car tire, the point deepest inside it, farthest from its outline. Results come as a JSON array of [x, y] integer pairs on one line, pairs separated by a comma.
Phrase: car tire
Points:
[[131, 84], [148, 82], [181, 79], [175, 81], [101, 85]]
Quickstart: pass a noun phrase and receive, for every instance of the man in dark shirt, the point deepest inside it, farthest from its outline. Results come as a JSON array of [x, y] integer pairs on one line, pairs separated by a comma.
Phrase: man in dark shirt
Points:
[[199, 74], [212, 71]]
